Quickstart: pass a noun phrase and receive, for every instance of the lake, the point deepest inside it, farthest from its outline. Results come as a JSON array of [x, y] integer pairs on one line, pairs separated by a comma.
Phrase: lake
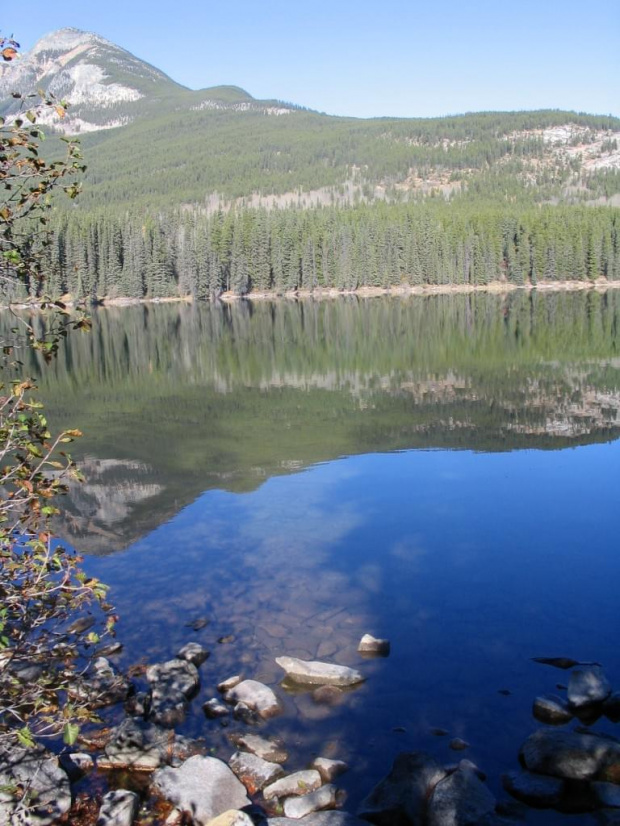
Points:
[[441, 471]]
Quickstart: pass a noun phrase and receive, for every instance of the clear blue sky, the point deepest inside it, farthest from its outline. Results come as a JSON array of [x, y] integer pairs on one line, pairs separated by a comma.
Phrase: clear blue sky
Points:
[[362, 58]]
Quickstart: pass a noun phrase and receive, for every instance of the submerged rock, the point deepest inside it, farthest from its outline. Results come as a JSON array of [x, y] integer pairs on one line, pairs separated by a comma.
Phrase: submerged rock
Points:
[[203, 786], [172, 684], [139, 746], [269, 750], [460, 800], [297, 783], [104, 685], [534, 789], [571, 755], [313, 672], [323, 798], [118, 808], [256, 696], [552, 710], [400, 798], [254, 772], [588, 685], [373, 646]]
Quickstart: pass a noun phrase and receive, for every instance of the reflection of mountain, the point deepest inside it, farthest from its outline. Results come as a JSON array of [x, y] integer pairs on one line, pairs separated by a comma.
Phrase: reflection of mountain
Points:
[[175, 400]]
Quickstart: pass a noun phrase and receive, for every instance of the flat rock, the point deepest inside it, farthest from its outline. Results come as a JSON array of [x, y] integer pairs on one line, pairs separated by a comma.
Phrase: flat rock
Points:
[[374, 647], [461, 799], [313, 672], [331, 818], [587, 685], [118, 808], [400, 798], [323, 798], [569, 754], [203, 786], [297, 783], [552, 710], [253, 771], [232, 817], [269, 750], [193, 653], [534, 789], [328, 769], [256, 696], [38, 772]]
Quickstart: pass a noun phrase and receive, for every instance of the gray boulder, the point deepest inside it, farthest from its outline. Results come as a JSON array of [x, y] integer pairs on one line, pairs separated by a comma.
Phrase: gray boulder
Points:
[[569, 754], [587, 685], [460, 800], [534, 789], [323, 798], [172, 684], [313, 672], [203, 786], [552, 710], [328, 769], [253, 771], [400, 798], [256, 696], [118, 808], [44, 792]]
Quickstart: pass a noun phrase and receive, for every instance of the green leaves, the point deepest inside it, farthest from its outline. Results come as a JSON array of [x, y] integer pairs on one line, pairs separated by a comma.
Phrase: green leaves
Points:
[[70, 733]]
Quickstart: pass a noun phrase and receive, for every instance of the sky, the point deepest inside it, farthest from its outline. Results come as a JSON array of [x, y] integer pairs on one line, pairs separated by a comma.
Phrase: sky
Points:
[[402, 58]]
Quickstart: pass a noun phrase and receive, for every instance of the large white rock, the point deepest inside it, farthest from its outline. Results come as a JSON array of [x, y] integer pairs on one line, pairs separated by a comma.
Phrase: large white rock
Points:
[[203, 786], [323, 798], [313, 672], [256, 696]]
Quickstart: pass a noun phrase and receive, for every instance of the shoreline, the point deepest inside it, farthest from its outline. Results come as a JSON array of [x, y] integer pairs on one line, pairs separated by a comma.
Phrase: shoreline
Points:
[[600, 285]]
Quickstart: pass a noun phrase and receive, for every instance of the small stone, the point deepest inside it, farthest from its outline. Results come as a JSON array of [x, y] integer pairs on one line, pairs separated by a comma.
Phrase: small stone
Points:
[[253, 771], [328, 769], [309, 672], [373, 646], [204, 786], [198, 623], [588, 685], [257, 696], [118, 808], [226, 685], [457, 744], [193, 653], [267, 749], [227, 640], [323, 798], [534, 789], [215, 708], [297, 783], [552, 710], [109, 650]]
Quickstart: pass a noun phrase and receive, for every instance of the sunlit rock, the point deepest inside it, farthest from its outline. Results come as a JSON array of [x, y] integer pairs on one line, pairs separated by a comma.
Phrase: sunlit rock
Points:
[[257, 696], [118, 808], [328, 769], [318, 673], [297, 783], [372, 646], [254, 772], [588, 684], [38, 771], [193, 653], [324, 798], [269, 750], [214, 708]]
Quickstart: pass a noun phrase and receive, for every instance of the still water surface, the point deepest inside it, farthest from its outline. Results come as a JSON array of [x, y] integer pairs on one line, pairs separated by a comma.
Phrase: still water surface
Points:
[[439, 471]]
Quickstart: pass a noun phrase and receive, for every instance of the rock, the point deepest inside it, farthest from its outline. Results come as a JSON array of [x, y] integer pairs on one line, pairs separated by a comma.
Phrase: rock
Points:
[[328, 769], [109, 650], [245, 714], [267, 749], [534, 789], [323, 798], [141, 746], [226, 685], [193, 653], [461, 799], [253, 771], [257, 696], [203, 786], [104, 685], [329, 695], [118, 808], [232, 817], [76, 765], [138, 704], [587, 685], [215, 708], [550, 709], [400, 798], [198, 623], [309, 672], [607, 794], [173, 683], [466, 765], [571, 755], [227, 640], [297, 783], [371, 645], [46, 793], [331, 818], [457, 744]]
